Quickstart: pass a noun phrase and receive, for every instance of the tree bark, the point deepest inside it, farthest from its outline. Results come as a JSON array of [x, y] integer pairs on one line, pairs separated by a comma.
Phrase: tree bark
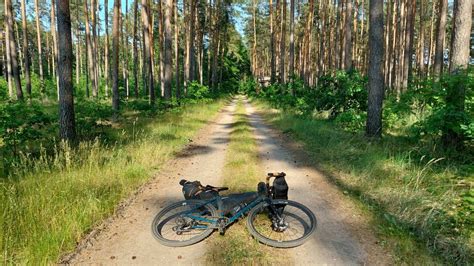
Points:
[[167, 49], [55, 44], [459, 60], [254, 45], [292, 43], [188, 74], [176, 48], [9, 74], [135, 49], [421, 40], [146, 20], [123, 23], [15, 72], [283, 42], [115, 56], [440, 35], [26, 54], [376, 80], [93, 42], [67, 130], [272, 46], [89, 48], [40, 50], [106, 48], [348, 36]]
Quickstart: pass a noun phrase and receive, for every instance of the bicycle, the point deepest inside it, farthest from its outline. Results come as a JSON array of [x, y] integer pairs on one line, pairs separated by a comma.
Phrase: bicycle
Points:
[[280, 223]]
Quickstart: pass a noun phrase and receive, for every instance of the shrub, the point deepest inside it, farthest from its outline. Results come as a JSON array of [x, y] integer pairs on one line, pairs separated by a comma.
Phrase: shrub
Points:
[[198, 91]]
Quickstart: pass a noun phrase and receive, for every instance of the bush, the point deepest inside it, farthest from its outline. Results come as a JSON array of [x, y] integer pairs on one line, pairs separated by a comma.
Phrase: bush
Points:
[[197, 91]]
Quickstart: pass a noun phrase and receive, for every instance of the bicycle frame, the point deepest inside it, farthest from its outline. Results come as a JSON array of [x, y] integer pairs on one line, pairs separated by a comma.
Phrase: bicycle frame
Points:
[[214, 222]]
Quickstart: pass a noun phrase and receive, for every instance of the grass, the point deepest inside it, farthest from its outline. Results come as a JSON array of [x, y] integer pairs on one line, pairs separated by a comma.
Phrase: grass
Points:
[[419, 202], [241, 174], [53, 200]]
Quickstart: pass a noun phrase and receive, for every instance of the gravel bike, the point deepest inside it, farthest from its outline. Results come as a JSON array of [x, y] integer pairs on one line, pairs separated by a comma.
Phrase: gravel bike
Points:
[[273, 221]]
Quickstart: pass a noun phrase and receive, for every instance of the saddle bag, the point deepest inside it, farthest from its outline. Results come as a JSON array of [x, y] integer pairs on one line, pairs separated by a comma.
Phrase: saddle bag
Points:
[[280, 188], [280, 191], [194, 190]]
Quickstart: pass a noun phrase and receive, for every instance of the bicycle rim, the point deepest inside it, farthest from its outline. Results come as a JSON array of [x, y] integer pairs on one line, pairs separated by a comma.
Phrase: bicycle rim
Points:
[[178, 224], [297, 225]]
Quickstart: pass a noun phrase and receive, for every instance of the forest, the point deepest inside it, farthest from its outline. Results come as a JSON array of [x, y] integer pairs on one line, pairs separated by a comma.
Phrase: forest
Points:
[[96, 96]]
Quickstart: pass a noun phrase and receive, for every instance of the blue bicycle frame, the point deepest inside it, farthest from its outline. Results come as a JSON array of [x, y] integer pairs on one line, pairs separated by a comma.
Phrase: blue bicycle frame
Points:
[[230, 220]]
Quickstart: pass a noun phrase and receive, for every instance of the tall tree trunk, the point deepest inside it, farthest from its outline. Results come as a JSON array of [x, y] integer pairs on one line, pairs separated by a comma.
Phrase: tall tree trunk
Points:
[[115, 56], [459, 60], [146, 20], [15, 72], [254, 45], [89, 48], [161, 47], [431, 46], [107, 56], [167, 49], [441, 32], [410, 42], [283, 42], [421, 41], [123, 23], [292, 43], [176, 48], [188, 73], [40, 50], [67, 130], [135, 49], [348, 36], [93, 42], [376, 81], [26, 54], [272, 45], [55, 44], [9, 74]]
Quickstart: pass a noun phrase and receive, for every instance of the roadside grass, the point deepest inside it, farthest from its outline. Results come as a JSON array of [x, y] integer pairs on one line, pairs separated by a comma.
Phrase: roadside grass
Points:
[[418, 205], [51, 201], [241, 174]]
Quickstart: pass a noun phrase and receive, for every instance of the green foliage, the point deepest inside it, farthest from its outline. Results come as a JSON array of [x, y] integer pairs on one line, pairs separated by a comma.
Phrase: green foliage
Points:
[[51, 200], [443, 115], [341, 92], [198, 91], [21, 126], [417, 191]]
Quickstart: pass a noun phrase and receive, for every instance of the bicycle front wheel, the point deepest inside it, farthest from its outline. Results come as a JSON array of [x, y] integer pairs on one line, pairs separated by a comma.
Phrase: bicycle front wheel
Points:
[[291, 227], [184, 223]]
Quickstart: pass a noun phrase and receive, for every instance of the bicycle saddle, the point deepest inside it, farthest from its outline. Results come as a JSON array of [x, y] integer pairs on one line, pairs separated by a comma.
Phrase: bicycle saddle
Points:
[[216, 188]]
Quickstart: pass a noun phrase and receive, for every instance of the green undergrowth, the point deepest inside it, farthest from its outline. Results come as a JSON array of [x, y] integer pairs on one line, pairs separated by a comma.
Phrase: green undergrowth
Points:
[[423, 206], [52, 199], [241, 174]]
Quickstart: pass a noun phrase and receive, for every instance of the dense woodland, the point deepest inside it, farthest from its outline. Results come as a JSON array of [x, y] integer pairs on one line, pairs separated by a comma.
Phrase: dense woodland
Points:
[[398, 71]]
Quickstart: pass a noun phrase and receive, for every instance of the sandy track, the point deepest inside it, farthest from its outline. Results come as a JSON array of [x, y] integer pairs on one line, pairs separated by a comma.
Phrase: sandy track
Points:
[[343, 236], [128, 239]]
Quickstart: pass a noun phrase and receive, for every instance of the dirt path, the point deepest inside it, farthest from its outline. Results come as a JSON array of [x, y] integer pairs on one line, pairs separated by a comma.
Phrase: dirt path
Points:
[[343, 235], [127, 239]]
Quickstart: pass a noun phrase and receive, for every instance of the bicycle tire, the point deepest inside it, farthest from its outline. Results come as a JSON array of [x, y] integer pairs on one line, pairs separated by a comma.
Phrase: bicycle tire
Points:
[[262, 207], [158, 220]]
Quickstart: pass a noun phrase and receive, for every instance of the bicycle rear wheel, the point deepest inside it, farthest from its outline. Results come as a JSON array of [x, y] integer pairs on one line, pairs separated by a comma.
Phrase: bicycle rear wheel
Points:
[[295, 227], [183, 223]]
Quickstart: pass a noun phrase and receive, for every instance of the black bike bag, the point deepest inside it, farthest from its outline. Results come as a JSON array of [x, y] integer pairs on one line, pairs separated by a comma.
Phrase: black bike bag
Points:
[[194, 190], [280, 188]]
